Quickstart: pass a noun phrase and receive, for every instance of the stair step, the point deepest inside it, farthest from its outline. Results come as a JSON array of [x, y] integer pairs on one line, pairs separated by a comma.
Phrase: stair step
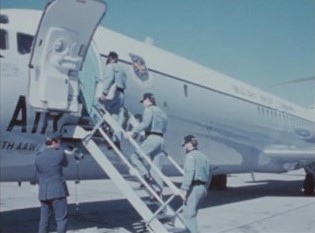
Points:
[[177, 230], [143, 205], [168, 217]]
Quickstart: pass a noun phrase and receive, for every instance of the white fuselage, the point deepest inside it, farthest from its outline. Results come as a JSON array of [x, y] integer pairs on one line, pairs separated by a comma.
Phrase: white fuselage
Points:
[[233, 121]]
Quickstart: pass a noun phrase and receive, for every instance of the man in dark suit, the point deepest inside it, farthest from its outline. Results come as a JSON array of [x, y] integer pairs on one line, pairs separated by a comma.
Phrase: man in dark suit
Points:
[[53, 189]]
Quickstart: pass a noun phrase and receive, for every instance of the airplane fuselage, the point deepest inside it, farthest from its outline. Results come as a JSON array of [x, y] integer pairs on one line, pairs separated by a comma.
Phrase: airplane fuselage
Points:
[[234, 122]]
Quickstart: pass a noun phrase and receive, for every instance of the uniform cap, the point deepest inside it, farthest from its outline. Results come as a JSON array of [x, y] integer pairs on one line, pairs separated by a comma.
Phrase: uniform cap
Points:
[[190, 138], [113, 54], [149, 96]]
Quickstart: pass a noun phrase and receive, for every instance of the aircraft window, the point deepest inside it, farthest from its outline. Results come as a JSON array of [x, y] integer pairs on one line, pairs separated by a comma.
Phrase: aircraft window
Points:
[[4, 19], [3, 39], [186, 90], [283, 116], [263, 111], [272, 114], [24, 42]]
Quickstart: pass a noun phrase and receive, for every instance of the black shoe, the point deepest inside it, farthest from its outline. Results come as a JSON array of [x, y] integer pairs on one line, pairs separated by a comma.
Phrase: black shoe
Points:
[[117, 144], [106, 128], [159, 193], [147, 179]]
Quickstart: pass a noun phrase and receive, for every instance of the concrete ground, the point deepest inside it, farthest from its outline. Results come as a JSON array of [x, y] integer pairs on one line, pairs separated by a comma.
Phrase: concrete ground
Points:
[[273, 203]]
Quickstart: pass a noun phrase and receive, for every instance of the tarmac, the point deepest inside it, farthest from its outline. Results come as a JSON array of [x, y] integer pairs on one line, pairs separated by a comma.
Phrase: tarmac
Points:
[[270, 203]]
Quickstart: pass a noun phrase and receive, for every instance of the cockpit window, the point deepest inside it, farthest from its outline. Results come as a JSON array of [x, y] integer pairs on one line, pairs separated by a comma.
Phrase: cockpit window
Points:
[[24, 42], [3, 39]]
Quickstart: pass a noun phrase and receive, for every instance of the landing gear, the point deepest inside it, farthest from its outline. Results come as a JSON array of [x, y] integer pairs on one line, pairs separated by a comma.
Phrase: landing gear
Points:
[[308, 185], [309, 181], [218, 182]]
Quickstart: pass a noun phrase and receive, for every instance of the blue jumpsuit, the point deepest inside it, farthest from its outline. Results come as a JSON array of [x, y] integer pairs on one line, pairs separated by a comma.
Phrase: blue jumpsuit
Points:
[[114, 74], [154, 124], [195, 182], [53, 190]]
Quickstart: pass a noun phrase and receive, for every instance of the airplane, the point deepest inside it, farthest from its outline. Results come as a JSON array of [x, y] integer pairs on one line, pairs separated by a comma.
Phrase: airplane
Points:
[[239, 127]]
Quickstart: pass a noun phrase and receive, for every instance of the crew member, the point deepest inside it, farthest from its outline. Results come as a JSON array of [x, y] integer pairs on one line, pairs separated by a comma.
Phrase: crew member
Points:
[[195, 182], [154, 122], [114, 85]]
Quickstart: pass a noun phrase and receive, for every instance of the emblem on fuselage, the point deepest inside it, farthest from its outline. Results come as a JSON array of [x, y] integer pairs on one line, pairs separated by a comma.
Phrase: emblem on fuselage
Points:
[[139, 68]]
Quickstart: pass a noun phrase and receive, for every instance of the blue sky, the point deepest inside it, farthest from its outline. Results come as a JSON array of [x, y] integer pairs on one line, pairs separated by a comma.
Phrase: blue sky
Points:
[[261, 42]]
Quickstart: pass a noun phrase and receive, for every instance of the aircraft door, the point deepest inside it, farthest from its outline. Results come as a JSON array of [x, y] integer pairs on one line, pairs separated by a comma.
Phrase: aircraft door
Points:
[[60, 46]]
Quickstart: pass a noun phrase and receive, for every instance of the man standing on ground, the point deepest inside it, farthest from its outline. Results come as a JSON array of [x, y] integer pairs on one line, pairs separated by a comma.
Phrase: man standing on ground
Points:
[[53, 189], [196, 181]]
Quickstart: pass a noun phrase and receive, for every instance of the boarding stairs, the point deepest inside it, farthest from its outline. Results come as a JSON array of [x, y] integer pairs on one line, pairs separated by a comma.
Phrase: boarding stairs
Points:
[[163, 218]]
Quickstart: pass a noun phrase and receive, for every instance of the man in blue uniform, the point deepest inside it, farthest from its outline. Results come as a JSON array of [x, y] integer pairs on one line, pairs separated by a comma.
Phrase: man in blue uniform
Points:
[[195, 182], [154, 122], [53, 190], [114, 85]]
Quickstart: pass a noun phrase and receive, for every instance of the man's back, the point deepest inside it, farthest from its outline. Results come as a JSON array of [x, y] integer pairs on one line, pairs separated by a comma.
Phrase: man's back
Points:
[[159, 121], [120, 76], [49, 165], [202, 166]]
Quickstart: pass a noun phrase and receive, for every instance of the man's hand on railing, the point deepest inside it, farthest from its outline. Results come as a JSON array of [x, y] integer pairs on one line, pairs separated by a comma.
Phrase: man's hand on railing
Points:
[[183, 194], [180, 192], [102, 97], [128, 134]]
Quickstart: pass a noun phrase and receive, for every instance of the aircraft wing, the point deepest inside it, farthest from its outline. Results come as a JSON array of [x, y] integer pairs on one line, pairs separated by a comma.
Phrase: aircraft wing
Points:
[[293, 153]]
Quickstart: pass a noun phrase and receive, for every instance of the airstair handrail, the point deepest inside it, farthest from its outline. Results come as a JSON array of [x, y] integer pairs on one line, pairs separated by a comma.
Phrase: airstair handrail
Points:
[[152, 222], [134, 122], [113, 123], [133, 170]]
